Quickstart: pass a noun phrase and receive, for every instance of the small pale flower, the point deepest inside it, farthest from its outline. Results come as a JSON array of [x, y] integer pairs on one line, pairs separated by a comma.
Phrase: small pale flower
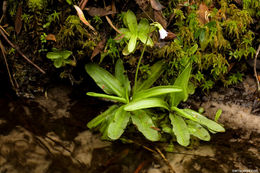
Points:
[[163, 33]]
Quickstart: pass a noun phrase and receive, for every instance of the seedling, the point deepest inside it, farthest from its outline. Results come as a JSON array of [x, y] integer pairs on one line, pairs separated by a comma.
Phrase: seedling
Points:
[[60, 58], [135, 32]]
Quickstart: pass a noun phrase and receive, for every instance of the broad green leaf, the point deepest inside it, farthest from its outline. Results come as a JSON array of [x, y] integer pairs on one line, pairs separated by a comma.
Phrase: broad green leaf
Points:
[[113, 98], [143, 26], [180, 129], [143, 38], [143, 32], [183, 113], [122, 77], [58, 63], [102, 117], [118, 123], [181, 81], [198, 131], [146, 103], [156, 71], [106, 81], [53, 55], [212, 125], [131, 21], [156, 91], [56, 54], [132, 43], [145, 125]]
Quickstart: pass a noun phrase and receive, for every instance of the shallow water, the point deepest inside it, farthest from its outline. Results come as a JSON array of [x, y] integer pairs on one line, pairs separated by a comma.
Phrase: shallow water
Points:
[[48, 134]]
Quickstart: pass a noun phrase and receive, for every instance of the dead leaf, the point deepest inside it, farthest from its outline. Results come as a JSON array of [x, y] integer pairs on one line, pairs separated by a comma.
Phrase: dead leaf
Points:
[[170, 36], [93, 11], [258, 78], [18, 19], [203, 14], [143, 4], [156, 5], [51, 37], [158, 17], [82, 18], [98, 48]]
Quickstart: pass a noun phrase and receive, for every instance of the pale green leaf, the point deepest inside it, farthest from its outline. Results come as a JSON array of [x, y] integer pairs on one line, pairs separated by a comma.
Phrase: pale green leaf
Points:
[[113, 98], [143, 32], [125, 51], [105, 80], [102, 117], [118, 123], [218, 113], [145, 125], [183, 113], [143, 26], [198, 131], [132, 43], [56, 54], [131, 21], [181, 81], [53, 55], [180, 129], [146, 103], [143, 38], [212, 125], [156, 91]]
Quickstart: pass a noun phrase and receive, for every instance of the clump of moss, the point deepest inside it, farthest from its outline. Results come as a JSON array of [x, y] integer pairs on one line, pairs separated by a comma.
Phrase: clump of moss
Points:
[[221, 29]]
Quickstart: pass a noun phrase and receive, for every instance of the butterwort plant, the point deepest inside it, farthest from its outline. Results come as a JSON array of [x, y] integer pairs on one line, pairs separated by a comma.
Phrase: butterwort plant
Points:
[[185, 122], [135, 31], [136, 105], [131, 107]]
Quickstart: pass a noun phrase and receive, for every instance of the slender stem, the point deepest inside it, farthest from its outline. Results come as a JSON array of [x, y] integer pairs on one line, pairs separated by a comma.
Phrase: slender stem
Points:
[[257, 80], [140, 59]]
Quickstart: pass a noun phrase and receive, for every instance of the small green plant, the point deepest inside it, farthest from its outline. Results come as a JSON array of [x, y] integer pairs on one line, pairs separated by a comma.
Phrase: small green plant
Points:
[[129, 106], [132, 107], [135, 32], [54, 17], [187, 122], [60, 58]]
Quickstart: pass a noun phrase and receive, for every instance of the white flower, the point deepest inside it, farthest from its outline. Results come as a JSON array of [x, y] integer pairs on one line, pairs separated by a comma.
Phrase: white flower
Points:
[[163, 33]]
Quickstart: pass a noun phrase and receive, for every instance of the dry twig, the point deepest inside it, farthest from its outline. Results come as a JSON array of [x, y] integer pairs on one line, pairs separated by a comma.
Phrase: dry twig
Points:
[[18, 50], [111, 24], [7, 66], [165, 159], [256, 76]]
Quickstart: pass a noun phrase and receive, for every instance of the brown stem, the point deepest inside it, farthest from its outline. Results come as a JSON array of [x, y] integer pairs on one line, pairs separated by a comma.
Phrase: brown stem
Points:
[[7, 66], [165, 159], [256, 76]]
